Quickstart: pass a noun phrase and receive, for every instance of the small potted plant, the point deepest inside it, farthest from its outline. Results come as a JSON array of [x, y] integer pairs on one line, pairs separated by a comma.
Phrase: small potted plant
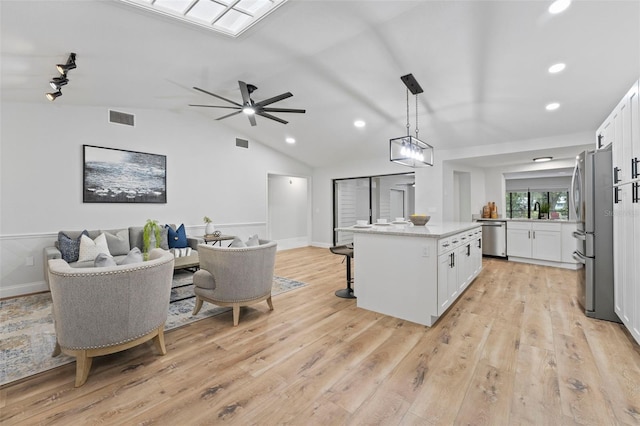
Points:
[[209, 229], [544, 210], [150, 236]]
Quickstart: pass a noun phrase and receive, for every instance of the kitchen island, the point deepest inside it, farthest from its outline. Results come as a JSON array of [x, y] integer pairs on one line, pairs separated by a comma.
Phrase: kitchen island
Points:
[[415, 272]]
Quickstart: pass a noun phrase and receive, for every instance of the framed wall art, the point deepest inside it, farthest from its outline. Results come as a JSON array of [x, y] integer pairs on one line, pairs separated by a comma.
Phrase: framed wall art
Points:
[[118, 176]]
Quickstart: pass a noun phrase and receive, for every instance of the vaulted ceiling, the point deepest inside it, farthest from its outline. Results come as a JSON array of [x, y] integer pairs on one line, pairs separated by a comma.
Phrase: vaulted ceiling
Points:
[[482, 65]]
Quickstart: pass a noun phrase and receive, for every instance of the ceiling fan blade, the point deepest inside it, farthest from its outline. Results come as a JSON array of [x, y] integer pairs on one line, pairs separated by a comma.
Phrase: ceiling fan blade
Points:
[[252, 119], [229, 115], [216, 96], [272, 117], [246, 99], [302, 111], [274, 99], [214, 106]]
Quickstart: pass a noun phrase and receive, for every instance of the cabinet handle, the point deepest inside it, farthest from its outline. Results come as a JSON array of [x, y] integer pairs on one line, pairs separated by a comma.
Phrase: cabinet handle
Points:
[[479, 243], [616, 171], [634, 167], [529, 235], [635, 196], [616, 197], [468, 250], [534, 235], [600, 141]]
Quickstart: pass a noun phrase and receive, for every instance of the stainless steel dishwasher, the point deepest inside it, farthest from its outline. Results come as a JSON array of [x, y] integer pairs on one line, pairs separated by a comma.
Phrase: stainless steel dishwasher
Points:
[[494, 237]]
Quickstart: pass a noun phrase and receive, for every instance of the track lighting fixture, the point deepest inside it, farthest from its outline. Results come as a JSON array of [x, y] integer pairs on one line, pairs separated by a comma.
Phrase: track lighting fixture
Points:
[[71, 64], [53, 95], [57, 82]]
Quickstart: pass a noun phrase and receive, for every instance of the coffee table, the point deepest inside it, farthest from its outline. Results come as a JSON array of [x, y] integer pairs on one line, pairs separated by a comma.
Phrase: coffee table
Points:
[[187, 262]]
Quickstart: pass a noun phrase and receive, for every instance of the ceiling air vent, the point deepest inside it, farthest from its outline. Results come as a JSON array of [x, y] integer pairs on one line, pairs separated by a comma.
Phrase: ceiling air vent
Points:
[[242, 143], [118, 117]]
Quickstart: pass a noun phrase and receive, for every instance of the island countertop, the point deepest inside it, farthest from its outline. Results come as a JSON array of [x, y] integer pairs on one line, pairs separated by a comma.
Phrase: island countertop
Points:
[[430, 230]]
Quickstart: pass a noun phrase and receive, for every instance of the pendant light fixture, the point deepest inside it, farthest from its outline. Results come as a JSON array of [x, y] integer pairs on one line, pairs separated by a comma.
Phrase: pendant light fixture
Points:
[[408, 150]]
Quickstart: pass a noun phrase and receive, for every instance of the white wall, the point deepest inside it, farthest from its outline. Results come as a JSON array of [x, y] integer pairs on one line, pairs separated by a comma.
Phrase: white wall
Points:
[[288, 211], [41, 178]]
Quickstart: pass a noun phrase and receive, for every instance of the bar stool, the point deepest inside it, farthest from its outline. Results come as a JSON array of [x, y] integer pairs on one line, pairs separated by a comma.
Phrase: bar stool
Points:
[[347, 252]]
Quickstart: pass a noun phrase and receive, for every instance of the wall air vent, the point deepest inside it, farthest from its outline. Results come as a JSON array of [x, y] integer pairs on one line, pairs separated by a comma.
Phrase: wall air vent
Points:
[[242, 143], [118, 117]]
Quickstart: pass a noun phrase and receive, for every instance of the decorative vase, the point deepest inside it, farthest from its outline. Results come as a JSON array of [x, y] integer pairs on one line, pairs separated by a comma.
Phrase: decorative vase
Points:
[[209, 229]]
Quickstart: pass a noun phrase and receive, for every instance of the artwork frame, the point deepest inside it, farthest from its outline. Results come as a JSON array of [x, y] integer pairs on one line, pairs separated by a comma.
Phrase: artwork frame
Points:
[[112, 175]]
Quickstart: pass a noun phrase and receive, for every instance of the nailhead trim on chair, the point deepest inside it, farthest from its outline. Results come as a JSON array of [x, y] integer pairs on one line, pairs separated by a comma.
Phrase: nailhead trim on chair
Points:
[[113, 272]]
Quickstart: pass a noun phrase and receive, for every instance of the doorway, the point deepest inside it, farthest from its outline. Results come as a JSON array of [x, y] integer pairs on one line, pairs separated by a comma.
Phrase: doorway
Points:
[[288, 211]]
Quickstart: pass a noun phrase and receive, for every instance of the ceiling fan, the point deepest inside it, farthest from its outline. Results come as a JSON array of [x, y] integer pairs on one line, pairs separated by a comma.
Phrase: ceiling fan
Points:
[[249, 106]]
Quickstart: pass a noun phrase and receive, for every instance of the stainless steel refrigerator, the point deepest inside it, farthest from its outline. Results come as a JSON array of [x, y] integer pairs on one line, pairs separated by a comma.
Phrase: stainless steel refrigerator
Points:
[[592, 199]]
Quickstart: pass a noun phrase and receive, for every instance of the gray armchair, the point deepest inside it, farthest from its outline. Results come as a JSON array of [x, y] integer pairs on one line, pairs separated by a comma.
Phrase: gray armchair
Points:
[[102, 310], [235, 277]]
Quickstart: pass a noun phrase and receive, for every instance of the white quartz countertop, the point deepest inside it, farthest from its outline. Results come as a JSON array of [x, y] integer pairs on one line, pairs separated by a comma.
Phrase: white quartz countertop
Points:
[[430, 230], [527, 220]]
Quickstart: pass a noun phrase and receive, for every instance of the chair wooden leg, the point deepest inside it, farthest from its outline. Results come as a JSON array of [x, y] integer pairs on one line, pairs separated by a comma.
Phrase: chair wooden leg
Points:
[[236, 314], [56, 351], [159, 340], [270, 303], [196, 308], [83, 365]]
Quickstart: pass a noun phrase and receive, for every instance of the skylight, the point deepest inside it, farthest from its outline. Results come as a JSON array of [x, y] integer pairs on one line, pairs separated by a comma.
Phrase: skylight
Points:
[[230, 17]]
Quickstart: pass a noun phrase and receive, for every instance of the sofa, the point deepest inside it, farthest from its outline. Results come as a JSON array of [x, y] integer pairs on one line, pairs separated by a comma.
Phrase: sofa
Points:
[[120, 243], [103, 310]]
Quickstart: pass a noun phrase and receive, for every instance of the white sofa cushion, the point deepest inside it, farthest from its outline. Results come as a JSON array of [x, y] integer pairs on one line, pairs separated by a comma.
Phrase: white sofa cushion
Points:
[[89, 248]]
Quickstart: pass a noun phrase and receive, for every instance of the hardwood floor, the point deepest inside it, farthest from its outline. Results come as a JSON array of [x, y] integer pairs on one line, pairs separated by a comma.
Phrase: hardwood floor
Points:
[[515, 349]]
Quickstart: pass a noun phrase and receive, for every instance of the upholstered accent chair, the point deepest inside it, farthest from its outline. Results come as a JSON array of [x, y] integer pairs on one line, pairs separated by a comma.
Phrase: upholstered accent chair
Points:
[[102, 310], [236, 277]]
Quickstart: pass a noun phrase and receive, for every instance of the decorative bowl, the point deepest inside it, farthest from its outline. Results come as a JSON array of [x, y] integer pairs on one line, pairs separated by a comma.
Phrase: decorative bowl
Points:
[[419, 219]]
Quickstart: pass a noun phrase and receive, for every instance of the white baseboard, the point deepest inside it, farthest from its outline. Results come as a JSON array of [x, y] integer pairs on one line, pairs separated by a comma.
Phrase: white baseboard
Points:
[[321, 245], [565, 265], [23, 289], [291, 243]]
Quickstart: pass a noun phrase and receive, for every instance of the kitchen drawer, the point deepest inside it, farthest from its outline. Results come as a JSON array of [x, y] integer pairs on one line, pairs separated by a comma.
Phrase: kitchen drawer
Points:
[[519, 225], [444, 245], [545, 226]]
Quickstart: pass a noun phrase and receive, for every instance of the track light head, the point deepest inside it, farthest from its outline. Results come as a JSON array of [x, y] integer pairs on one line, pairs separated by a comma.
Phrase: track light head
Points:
[[71, 64], [52, 96], [57, 82]]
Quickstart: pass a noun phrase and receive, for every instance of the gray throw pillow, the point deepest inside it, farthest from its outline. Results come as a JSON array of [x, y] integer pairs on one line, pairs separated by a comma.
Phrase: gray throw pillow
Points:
[[253, 241], [69, 247], [103, 260], [134, 256], [119, 243], [237, 242]]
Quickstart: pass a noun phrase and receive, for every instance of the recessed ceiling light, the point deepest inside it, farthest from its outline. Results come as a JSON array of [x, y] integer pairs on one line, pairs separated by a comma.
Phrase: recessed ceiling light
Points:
[[290, 140], [359, 123], [542, 159], [559, 6], [556, 68], [552, 106]]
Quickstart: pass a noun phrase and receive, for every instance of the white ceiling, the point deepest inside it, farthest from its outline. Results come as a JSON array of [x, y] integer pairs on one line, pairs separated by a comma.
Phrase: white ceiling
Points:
[[482, 65]]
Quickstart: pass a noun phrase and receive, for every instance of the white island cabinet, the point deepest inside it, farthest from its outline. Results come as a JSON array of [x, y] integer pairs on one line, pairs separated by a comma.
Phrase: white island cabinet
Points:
[[415, 272]]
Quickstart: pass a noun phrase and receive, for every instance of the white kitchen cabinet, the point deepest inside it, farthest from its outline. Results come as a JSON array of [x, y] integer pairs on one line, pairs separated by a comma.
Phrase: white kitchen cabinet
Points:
[[569, 243], [622, 130], [534, 240], [458, 265]]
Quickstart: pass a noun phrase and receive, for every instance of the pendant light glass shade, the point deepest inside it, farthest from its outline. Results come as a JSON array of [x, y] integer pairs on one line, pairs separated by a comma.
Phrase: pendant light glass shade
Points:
[[410, 151]]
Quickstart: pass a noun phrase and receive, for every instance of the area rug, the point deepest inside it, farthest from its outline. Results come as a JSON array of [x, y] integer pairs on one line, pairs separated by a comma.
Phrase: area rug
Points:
[[28, 335]]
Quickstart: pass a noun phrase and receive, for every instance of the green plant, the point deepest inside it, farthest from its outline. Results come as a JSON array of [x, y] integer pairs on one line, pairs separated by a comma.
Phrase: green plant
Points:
[[151, 227], [207, 219], [544, 207]]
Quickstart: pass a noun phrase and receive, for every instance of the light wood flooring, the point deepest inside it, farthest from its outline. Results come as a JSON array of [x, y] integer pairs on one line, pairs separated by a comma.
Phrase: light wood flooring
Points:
[[515, 349]]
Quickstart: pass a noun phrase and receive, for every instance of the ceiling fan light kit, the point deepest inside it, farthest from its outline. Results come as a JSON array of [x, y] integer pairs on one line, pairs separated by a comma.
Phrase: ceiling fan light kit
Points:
[[57, 82], [249, 107], [408, 150]]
